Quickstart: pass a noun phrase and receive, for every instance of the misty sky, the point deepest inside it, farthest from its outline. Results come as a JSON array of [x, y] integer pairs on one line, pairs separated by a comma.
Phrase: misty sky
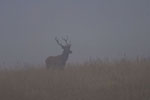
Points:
[[96, 28]]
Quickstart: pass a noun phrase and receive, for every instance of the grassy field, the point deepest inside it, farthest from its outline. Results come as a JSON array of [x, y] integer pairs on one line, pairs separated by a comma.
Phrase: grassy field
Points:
[[93, 80]]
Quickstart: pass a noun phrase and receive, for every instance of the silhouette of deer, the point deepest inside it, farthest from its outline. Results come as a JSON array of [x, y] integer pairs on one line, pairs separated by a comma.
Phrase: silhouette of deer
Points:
[[60, 60]]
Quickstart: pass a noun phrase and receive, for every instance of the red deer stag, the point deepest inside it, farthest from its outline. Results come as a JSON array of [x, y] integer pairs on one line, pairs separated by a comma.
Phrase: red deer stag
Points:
[[60, 60]]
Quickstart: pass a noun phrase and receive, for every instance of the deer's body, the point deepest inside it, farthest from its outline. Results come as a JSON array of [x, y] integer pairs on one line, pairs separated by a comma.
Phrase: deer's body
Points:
[[60, 60]]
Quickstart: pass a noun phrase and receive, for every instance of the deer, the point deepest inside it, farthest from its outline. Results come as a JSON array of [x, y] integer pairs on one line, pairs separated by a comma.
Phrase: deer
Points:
[[59, 61]]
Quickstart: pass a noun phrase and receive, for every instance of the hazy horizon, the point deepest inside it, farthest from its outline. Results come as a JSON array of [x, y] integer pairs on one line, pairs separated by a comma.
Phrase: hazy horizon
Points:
[[96, 28]]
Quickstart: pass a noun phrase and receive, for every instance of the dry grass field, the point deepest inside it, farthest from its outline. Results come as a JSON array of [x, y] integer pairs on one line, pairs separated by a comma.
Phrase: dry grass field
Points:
[[93, 80]]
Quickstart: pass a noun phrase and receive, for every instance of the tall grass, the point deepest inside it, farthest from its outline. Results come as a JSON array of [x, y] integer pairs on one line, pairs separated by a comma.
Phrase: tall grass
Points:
[[93, 80]]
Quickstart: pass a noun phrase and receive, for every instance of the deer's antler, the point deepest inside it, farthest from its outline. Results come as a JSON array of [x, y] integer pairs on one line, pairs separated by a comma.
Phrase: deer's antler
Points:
[[58, 42], [66, 40]]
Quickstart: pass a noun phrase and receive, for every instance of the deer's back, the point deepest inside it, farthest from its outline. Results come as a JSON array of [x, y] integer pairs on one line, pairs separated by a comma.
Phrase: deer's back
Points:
[[54, 60]]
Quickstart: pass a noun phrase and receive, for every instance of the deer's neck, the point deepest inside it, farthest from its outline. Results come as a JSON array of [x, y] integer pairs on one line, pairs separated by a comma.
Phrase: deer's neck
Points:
[[65, 55]]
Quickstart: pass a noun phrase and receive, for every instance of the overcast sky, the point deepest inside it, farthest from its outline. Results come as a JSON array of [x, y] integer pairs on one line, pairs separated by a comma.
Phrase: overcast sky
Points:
[[96, 28]]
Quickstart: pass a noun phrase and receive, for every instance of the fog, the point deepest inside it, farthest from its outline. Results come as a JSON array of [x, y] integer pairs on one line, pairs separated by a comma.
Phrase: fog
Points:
[[96, 28]]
